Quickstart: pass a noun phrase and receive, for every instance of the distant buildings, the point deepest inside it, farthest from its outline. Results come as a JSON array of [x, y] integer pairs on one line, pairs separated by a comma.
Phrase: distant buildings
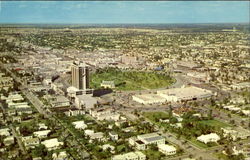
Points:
[[6, 82], [242, 85], [128, 59]]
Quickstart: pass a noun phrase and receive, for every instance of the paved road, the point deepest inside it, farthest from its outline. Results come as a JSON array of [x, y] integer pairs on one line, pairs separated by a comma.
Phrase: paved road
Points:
[[19, 141]]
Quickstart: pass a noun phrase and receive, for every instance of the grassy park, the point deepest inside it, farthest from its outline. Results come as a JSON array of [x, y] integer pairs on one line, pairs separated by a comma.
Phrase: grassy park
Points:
[[130, 80], [215, 123]]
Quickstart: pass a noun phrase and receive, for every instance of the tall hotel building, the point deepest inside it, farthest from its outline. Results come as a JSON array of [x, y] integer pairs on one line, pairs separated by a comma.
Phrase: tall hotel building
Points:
[[80, 76]]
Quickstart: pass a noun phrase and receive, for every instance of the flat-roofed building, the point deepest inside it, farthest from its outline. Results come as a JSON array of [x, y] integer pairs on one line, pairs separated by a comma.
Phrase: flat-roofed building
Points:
[[6, 82], [42, 134], [60, 101], [151, 138], [241, 85], [31, 142], [52, 144], [236, 133], [130, 156], [149, 99], [187, 93], [141, 141], [212, 137], [85, 101], [167, 149]]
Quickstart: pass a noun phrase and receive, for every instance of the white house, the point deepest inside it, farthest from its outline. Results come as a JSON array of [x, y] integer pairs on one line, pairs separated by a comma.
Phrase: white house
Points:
[[52, 144], [42, 134], [32, 142], [212, 137], [79, 125], [4, 132], [42, 126], [167, 149], [60, 156], [114, 136], [8, 140]]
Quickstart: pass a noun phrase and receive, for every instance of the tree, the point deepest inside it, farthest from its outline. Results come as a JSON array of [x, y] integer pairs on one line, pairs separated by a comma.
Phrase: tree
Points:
[[170, 112], [210, 114], [39, 151]]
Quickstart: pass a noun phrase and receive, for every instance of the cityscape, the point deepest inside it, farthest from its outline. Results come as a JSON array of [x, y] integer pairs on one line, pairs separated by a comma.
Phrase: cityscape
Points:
[[124, 90]]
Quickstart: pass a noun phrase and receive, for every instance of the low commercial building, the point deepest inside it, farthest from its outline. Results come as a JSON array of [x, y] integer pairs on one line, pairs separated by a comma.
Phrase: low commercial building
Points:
[[60, 101], [85, 101], [141, 141], [109, 117], [75, 112], [149, 99], [236, 133], [212, 137], [167, 149], [183, 94], [130, 156]]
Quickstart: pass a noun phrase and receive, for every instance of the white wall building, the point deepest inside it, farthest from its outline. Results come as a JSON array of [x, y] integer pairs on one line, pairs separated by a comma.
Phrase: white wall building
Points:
[[212, 137], [130, 156], [167, 149]]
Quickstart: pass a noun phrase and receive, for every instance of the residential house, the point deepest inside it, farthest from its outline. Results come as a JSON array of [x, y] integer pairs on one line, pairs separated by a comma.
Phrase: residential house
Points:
[[52, 144], [114, 136], [79, 125], [9, 140], [42, 134], [31, 143]]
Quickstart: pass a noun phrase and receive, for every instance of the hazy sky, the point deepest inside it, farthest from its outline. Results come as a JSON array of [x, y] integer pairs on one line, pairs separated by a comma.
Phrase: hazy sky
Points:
[[124, 11]]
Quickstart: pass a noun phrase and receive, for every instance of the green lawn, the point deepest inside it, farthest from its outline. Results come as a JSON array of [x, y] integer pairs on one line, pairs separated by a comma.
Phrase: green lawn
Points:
[[153, 155], [215, 123], [155, 116], [130, 80], [198, 143]]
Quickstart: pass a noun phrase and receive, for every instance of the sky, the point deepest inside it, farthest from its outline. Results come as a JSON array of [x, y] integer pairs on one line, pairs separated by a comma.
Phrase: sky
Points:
[[106, 12]]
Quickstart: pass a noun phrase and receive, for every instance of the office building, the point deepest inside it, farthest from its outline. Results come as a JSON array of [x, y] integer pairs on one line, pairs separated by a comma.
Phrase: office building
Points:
[[80, 76]]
